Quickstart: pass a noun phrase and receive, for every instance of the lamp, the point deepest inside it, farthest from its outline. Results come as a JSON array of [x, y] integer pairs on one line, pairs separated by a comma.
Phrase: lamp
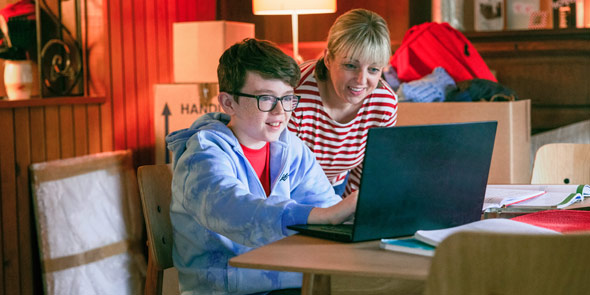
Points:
[[294, 8]]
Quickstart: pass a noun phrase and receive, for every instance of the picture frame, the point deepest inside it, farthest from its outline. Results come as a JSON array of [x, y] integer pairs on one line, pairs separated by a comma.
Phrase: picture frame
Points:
[[538, 20], [488, 15], [518, 13]]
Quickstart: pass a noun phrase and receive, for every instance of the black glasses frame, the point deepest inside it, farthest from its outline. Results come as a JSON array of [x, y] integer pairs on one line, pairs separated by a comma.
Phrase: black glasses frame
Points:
[[276, 98]]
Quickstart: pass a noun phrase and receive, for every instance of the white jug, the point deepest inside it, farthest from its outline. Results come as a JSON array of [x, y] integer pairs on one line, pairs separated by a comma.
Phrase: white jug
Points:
[[18, 78]]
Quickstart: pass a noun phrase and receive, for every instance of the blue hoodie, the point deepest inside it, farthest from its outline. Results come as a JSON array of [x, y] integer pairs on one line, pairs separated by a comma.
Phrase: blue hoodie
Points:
[[219, 208]]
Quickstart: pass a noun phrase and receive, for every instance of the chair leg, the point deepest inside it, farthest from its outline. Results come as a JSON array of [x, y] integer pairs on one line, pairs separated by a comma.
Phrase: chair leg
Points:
[[315, 284], [153, 278]]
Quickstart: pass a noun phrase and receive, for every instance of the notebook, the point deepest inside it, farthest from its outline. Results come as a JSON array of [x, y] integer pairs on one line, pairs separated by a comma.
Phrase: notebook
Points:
[[420, 177]]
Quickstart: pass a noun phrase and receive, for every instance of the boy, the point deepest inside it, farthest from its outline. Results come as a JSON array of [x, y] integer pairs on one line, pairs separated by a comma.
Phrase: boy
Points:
[[240, 178]]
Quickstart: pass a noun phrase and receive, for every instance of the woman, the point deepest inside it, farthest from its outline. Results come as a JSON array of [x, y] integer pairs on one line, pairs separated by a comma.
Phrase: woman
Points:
[[343, 95]]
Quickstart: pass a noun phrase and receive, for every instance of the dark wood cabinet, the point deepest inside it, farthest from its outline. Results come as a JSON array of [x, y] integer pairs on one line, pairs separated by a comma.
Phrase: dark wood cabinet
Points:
[[549, 67]]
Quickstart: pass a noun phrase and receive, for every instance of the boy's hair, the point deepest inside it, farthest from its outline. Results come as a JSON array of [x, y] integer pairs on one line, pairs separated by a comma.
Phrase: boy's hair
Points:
[[359, 34], [260, 56]]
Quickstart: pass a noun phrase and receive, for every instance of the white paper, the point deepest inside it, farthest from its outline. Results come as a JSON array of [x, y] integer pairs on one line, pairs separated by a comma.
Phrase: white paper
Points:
[[555, 195], [566, 188], [496, 225], [550, 200], [499, 197]]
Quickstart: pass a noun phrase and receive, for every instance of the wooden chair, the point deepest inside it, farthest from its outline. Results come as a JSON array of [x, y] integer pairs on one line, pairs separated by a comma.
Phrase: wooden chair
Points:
[[487, 263], [562, 163], [155, 191]]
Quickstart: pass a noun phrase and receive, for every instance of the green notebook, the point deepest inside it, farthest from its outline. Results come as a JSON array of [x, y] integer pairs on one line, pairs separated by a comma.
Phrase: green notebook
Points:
[[407, 245]]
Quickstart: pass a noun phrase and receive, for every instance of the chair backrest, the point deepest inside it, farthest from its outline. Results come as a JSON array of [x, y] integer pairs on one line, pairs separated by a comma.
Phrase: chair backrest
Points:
[[155, 190], [492, 263], [562, 163]]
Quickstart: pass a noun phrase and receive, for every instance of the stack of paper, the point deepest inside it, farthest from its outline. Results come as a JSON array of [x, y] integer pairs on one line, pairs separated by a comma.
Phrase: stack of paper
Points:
[[495, 225], [540, 197], [424, 241], [503, 197], [534, 196]]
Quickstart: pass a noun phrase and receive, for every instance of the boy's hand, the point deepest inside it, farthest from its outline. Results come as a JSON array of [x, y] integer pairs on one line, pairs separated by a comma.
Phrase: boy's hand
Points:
[[336, 214]]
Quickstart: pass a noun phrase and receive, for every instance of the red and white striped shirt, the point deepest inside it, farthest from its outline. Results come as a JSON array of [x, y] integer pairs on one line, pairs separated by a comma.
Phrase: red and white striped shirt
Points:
[[338, 147]]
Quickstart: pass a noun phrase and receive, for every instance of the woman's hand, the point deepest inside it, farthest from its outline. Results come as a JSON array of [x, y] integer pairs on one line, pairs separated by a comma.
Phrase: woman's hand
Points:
[[335, 214]]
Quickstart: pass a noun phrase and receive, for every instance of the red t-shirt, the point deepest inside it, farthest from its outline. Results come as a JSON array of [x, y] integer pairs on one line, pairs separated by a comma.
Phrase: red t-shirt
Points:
[[259, 159]]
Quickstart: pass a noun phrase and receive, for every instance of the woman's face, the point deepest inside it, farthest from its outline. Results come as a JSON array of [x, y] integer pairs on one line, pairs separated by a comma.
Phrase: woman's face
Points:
[[352, 79]]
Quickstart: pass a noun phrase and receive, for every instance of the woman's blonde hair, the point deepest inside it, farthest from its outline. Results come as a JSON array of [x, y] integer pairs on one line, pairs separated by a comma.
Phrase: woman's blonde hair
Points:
[[359, 34]]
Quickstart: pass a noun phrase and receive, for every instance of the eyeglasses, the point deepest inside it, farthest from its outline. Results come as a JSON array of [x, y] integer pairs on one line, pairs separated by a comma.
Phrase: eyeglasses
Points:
[[267, 103]]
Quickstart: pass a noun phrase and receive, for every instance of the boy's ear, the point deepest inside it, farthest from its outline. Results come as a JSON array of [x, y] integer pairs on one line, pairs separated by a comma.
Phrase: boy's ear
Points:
[[227, 102]]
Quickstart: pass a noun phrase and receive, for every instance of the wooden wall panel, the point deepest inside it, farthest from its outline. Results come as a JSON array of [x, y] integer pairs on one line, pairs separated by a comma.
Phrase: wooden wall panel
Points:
[[10, 253], [24, 222], [556, 74], [106, 125], [38, 154], [164, 41], [80, 125], [32, 135], [102, 14], [277, 28], [52, 138], [144, 100], [549, 69], [545, 118], [66, 131], [94, 136], [1, 220], [152, 68], [140, 56], [191, 10], [129, 74], [116, 73], [38, 145]]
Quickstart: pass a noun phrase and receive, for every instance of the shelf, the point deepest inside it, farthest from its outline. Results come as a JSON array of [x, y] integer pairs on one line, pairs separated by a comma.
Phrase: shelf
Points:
[[562, 42], [530, 35], [51, 101]]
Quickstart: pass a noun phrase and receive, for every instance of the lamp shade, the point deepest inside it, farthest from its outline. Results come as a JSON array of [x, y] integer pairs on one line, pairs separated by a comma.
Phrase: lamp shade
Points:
[[274, 7]]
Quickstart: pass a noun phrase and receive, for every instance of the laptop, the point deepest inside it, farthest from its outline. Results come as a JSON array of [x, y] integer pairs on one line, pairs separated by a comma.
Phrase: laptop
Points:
[[417, 178]]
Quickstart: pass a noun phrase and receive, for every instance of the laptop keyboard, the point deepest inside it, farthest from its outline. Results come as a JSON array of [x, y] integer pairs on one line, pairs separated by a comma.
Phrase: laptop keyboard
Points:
[[338, 229]]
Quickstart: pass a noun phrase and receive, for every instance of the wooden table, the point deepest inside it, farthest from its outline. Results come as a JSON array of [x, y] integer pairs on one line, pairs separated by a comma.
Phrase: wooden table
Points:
[[321, 261]]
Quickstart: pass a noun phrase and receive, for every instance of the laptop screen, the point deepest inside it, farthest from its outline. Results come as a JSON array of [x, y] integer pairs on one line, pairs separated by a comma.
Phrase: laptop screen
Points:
[[417, 178], [423, 177]]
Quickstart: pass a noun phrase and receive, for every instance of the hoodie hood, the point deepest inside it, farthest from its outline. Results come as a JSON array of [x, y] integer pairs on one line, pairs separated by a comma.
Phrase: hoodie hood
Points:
[[215, 122]]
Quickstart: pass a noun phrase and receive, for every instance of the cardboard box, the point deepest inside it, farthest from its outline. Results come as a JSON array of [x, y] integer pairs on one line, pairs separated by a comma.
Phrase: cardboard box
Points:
[[512, 148], [177, 106], [197, 46]]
